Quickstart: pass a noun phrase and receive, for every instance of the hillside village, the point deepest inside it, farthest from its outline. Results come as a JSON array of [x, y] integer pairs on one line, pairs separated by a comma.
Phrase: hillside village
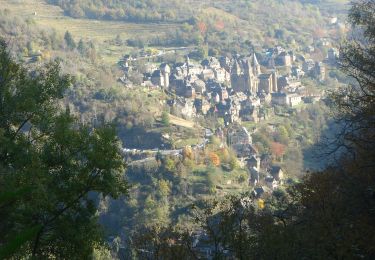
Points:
[[239, 89], [235, 89]]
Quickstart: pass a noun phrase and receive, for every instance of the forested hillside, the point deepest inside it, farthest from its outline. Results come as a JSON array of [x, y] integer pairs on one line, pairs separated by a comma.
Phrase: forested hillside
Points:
[[258, 21], [97, 161]]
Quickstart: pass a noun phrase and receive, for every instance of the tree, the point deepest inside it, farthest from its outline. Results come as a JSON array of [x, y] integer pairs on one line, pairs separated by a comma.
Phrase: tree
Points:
[[49, 164], [158, 241], [81, 47], [187, 152], [165, 118], [69, 40], [355, 104], [278, 149], [214, 158], [282, 135], [163, 188]]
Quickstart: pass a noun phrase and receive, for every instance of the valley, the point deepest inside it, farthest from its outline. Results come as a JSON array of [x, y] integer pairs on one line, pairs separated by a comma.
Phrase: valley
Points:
[[192, 129]]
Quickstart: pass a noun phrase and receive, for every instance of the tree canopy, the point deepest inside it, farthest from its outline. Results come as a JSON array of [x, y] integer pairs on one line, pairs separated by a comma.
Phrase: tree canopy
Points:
[[51, 167]]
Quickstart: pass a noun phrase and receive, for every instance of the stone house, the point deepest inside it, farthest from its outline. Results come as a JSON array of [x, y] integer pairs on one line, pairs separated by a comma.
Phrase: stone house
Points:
[[225, 63], [253, 162], [186, 107], [200, 86], [277, 173], [229, 111], [284, 82], [265, 97], [258, 192], [190, 92], [297, 72], [221, 75], [284, 99], [238, 135], [254, 177], [250, 114], [284, 59], [251, 102], [308, 65], [294, 99], [244, 150], [202, 106], [319, 71], [271, 182], [279, 98], [332, 55], [207, 74], [178, 85], [211, 62]]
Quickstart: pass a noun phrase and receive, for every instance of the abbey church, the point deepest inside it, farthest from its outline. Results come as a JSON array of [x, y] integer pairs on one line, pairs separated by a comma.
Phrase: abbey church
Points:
[[244, 75]]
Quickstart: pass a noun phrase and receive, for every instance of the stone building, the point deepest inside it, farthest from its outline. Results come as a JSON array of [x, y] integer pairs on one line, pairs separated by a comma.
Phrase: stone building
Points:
[[284, 59], [244, 75], [160, 77], [202, 106], [308, 65], [319, 71], [253, 162], [239, 135], [265, 83], [332, 55]]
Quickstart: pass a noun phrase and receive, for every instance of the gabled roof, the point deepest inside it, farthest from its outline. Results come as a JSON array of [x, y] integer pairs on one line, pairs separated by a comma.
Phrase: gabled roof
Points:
[[275, 172], [156, 73], [265, 76], [255, 60], [275, 169], [252, 159]]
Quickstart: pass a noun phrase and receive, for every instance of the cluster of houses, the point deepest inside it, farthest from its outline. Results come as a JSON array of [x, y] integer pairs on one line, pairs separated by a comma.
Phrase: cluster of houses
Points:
[[264, 177], [234, 89]]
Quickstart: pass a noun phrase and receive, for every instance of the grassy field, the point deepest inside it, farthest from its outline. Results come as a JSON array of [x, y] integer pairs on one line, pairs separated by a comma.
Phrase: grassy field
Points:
[[49, 16], [181, 122]]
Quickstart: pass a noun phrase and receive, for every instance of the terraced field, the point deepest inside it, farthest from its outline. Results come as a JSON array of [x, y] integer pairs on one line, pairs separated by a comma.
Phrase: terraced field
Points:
[[50, 16]]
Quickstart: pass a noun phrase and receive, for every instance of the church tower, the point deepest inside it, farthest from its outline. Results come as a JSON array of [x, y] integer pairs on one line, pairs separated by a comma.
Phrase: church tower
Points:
[[274, 81], [236, 68], [251, 79], [248, 68], [165, 72], [256, 66], [187, 61]]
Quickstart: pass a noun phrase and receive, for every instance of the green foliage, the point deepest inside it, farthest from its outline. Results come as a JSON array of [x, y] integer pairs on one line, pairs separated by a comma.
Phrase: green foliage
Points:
[[163, 188], [168, 165], [224, 25], [15, 243], [101, 253], [49, 164], [282, 135], [69, 40], [165, 118], [200, 54]]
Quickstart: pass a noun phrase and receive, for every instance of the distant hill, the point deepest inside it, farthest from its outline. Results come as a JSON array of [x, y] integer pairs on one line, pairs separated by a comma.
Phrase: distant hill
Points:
[[178, 11], [221, 21]]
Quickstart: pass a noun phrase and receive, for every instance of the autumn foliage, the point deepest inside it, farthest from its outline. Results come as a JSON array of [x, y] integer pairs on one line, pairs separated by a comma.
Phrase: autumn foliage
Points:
[[202, 27], [187, 152], [278, 149], [214, 158]]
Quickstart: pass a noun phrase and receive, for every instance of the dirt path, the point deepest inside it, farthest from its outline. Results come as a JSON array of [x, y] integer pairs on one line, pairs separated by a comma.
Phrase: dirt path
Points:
[[174, 120]]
